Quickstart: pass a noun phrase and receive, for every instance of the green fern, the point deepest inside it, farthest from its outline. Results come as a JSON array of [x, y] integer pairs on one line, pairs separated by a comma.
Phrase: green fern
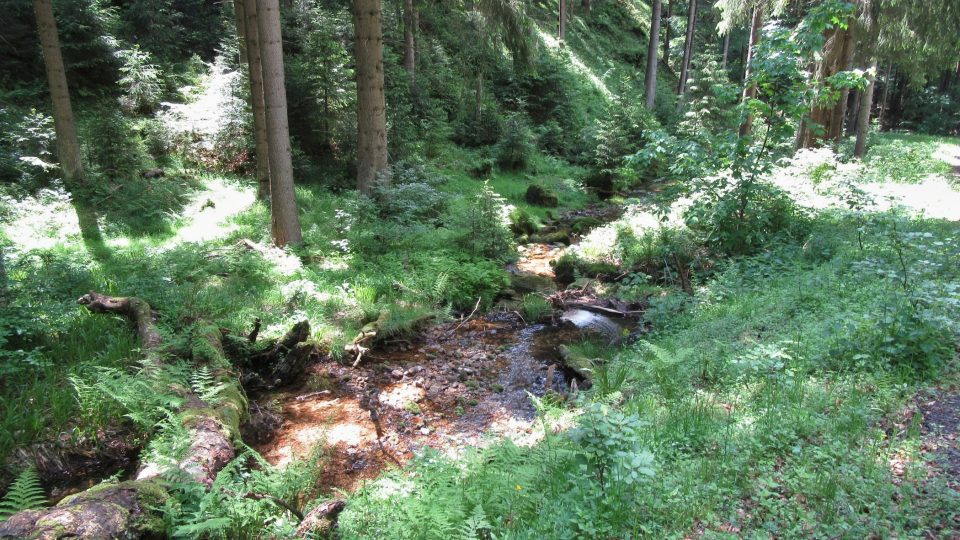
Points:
[[25, 493], [476, 527], [204, 385], [439, 290]]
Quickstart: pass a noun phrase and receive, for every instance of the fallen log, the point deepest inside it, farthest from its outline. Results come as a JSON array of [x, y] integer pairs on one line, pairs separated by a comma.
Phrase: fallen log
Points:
[[320, 521], [280, 364], [130, 509]]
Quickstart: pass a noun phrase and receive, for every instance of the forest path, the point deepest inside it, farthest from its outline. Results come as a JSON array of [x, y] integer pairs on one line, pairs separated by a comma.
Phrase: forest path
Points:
[[941, 433], [456, 385]]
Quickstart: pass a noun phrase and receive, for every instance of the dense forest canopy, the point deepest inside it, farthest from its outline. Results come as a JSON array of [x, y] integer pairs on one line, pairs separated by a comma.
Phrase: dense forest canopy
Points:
[[479, 268]]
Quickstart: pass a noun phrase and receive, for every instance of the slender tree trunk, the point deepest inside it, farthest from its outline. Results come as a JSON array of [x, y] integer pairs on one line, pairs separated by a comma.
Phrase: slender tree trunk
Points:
[[247, 28], [409, 46], [585, 4], [68, 146], [478, 96], [667, 31], [863, 118], [853, 113], [885, 101], [283, 202], [750, 89], [688, 48], [563, 20], [241, 22], [371, 103], [726, 49], [651, 79]]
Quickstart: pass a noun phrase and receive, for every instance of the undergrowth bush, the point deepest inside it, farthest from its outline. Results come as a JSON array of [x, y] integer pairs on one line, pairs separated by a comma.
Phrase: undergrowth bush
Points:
[[485, 226], [408, 194], [743, 222], [516, 145]]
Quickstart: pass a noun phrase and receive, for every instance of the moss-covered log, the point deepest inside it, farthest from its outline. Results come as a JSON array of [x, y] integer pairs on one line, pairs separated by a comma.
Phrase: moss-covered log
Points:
[[128, 510]]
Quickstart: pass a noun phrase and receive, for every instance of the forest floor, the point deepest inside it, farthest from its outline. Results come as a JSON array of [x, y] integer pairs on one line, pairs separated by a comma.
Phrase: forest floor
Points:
[[455, 385]]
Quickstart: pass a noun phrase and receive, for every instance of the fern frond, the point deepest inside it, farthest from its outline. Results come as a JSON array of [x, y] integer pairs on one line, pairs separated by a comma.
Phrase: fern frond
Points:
[[476, 527], [204, 385], [25, 493]]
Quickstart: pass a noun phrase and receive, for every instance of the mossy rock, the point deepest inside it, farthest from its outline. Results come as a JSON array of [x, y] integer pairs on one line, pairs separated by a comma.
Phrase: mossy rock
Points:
[[521, 223], [578, 362], [585, 224], [565, 268], [556, 237], [541, 196], [602, 183], [532, 283]]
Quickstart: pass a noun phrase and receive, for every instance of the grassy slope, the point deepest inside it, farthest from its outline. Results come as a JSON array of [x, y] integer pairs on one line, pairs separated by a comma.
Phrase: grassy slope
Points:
[[771, 402]]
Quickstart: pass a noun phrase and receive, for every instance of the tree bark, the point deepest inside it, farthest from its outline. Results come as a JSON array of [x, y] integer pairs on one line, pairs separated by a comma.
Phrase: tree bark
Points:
[[852, 113], [371, 103], [667, 31], [131, 509], [409, 45], [687, 48], [651, 78], [241, 24], [68, 147], [750, 89], [726, 49], [863, 118], [884, 102], [251, 38], [283, 203], [828, 118], [563, 20]]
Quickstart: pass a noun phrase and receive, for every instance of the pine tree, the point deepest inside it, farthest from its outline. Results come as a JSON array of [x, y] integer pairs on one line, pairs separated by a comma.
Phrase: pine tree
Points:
[[371, 102], [283, 204], [651, 80]]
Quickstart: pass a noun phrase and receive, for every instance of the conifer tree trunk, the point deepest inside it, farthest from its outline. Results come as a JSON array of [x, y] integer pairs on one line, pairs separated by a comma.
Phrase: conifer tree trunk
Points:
[[241, 23], [247, 9], [863, 118], [68, 146], [886, 94], [409, 46], [667, 34], [688, 48], [371, 103], [283, 203], [726, 49], [563, 20], [827, 120], [651, 79], [750, 90]]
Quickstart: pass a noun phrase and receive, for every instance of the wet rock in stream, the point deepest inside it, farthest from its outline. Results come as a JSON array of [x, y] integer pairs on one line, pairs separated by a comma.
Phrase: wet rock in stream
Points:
[[594, 324]]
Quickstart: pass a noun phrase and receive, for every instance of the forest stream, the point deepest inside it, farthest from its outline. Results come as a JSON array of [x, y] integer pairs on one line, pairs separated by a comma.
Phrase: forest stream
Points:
[[454, 385]]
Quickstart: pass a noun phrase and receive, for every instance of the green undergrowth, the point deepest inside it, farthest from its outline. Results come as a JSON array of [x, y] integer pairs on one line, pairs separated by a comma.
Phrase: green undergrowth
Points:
[[770, 403], [429, 246], [908, 158]]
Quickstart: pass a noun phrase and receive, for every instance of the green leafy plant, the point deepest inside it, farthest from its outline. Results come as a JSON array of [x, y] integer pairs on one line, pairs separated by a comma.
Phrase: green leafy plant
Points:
[[535, 308], [25, 493]]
